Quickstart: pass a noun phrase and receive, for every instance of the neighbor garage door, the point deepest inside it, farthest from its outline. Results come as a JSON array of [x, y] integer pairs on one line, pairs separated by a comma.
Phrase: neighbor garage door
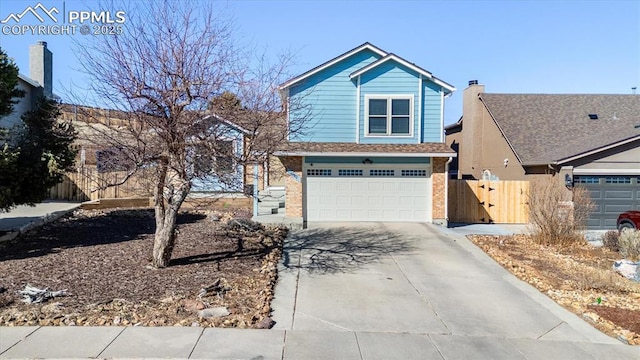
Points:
[[367, 193], [611, 195]]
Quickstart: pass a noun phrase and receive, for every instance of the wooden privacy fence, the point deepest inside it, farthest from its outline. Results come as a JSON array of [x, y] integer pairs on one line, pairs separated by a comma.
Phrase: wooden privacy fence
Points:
[[88, 184], [483, 201]]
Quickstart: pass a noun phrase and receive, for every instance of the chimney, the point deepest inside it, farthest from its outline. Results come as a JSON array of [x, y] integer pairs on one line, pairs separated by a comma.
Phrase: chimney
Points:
[[470, 153], [40, 66]]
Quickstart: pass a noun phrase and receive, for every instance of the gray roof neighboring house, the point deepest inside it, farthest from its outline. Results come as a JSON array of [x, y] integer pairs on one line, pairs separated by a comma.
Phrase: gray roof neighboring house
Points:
[[552, 128]]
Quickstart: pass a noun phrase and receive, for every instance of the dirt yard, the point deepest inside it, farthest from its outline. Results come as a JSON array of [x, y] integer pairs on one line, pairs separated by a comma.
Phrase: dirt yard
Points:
[[102, 258], [578, 277]]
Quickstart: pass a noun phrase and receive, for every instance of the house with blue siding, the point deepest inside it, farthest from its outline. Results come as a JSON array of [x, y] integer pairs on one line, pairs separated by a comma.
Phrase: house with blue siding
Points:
[[369, 141]]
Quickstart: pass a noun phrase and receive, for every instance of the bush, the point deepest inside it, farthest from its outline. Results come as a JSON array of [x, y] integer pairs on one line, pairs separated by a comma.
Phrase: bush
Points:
[[610, 240], [558, 215], [629, 243]]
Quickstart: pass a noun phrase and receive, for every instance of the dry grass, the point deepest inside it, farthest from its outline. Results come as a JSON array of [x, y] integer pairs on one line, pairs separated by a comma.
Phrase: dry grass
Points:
[[557, 214]]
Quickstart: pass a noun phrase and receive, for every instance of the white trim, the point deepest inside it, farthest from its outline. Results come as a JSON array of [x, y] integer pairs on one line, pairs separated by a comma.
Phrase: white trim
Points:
[[389, 115], [29, 81], [358, 111], [333, 62], [404, 63], [366, 154], [420, 105], [288, 115], [446, 189], [595, 151], [606, 171], [441, 116], [395, 58], [227, 122]]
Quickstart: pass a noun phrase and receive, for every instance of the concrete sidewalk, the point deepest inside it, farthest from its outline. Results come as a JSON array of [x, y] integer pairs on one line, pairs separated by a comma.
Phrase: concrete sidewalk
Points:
[[362, 291], [211, 343]]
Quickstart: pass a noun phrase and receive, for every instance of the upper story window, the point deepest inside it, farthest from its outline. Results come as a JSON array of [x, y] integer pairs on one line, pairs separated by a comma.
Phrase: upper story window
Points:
[[389, 115]]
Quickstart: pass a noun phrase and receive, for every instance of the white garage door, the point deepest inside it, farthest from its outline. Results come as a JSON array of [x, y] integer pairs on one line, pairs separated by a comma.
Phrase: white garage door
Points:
[[366, 193]]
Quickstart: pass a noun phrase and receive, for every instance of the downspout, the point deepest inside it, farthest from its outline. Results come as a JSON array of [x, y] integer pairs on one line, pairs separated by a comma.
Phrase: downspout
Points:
[[446, 190], [255, 189]]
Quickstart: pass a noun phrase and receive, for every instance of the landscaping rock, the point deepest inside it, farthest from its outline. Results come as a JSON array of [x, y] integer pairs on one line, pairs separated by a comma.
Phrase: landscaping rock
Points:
[[628, 269], [215, 312]]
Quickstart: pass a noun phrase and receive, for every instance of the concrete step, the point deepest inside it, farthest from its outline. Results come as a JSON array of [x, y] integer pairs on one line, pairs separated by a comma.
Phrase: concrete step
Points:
[[270, 203]]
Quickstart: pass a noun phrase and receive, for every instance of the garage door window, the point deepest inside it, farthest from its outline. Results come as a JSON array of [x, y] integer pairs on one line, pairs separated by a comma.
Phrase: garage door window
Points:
[[318, 172], [349, 172], [618, 180], [586, 180], [414, 173], [382, 172]]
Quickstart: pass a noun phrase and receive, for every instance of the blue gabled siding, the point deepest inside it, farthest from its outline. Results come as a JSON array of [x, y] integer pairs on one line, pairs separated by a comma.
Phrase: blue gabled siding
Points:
[[327, 102], [329, 99], [389, 79], [431, 112]]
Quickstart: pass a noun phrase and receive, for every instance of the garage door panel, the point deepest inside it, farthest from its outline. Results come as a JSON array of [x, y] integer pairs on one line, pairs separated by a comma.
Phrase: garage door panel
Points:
[[617, 208], [610, 197], [619, 194]]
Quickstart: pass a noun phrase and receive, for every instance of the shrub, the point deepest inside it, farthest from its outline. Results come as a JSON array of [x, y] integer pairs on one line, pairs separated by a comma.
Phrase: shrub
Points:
[[558, 215], [610, 240], [629, 243]]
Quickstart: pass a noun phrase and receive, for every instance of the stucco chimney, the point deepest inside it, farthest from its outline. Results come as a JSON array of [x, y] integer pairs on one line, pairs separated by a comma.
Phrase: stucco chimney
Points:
[[41, 66], [470, 153]]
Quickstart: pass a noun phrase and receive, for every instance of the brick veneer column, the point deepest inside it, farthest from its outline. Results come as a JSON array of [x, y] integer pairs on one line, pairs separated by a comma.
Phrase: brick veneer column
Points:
[[438, 194], [293, 194]]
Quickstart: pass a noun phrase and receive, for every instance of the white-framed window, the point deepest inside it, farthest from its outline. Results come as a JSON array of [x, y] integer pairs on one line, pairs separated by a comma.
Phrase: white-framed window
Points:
[[389, 115]]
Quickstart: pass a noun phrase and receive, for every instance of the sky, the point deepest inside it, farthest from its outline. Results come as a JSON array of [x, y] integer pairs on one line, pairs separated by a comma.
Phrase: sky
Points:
[[508, 46]]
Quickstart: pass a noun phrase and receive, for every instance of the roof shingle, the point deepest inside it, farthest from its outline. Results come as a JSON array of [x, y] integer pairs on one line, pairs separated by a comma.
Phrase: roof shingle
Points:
[[353, 148], [545, 128]]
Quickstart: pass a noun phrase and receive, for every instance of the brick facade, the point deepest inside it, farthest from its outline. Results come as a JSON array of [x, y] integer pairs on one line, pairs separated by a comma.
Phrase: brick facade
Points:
[[438, 179], [293, 198]]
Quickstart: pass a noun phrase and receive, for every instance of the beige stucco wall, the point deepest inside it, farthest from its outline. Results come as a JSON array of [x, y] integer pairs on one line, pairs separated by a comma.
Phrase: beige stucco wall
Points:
[[482, 145], [625, 157]]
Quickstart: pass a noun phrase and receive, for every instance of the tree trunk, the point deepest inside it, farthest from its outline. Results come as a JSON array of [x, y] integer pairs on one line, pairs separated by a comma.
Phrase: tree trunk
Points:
[[166, 211]]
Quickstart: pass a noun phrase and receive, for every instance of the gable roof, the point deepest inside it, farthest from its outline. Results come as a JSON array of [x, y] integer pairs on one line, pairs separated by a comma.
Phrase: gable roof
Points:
[[403, 62], [556, 128], [385, 57], [333, 61]]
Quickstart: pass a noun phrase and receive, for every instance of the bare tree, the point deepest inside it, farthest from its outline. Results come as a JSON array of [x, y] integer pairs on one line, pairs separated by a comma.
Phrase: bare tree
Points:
[[166, 74]]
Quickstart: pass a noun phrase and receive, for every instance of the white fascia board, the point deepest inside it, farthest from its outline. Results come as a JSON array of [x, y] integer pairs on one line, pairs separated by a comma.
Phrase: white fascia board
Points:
[[228, 123], [395, 58], [367, 154], [332, 62], [28, 80], [595, 151]]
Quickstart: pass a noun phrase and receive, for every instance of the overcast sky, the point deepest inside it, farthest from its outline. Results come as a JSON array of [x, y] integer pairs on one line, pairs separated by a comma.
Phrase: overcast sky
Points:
[[509, 46]]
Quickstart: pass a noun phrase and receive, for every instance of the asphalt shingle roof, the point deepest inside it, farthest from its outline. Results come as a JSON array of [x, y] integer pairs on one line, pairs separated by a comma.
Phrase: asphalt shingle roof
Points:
[[322, 147], [544, 128]]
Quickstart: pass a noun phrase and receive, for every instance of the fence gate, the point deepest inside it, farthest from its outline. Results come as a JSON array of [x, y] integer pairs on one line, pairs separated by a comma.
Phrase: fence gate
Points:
[[483, 201]]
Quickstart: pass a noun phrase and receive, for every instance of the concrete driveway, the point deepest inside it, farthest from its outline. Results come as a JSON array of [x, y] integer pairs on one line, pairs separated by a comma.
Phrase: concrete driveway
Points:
[[408, 290]]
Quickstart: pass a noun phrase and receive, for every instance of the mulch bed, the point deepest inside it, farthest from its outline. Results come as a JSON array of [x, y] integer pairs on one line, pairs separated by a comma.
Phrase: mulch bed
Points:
[[579, 277], [103, 258]]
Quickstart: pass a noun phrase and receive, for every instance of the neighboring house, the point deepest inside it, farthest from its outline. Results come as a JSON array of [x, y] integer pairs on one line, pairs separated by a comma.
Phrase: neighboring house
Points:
[[38, 84], [370, 143], [590, 140], [103, 161]]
